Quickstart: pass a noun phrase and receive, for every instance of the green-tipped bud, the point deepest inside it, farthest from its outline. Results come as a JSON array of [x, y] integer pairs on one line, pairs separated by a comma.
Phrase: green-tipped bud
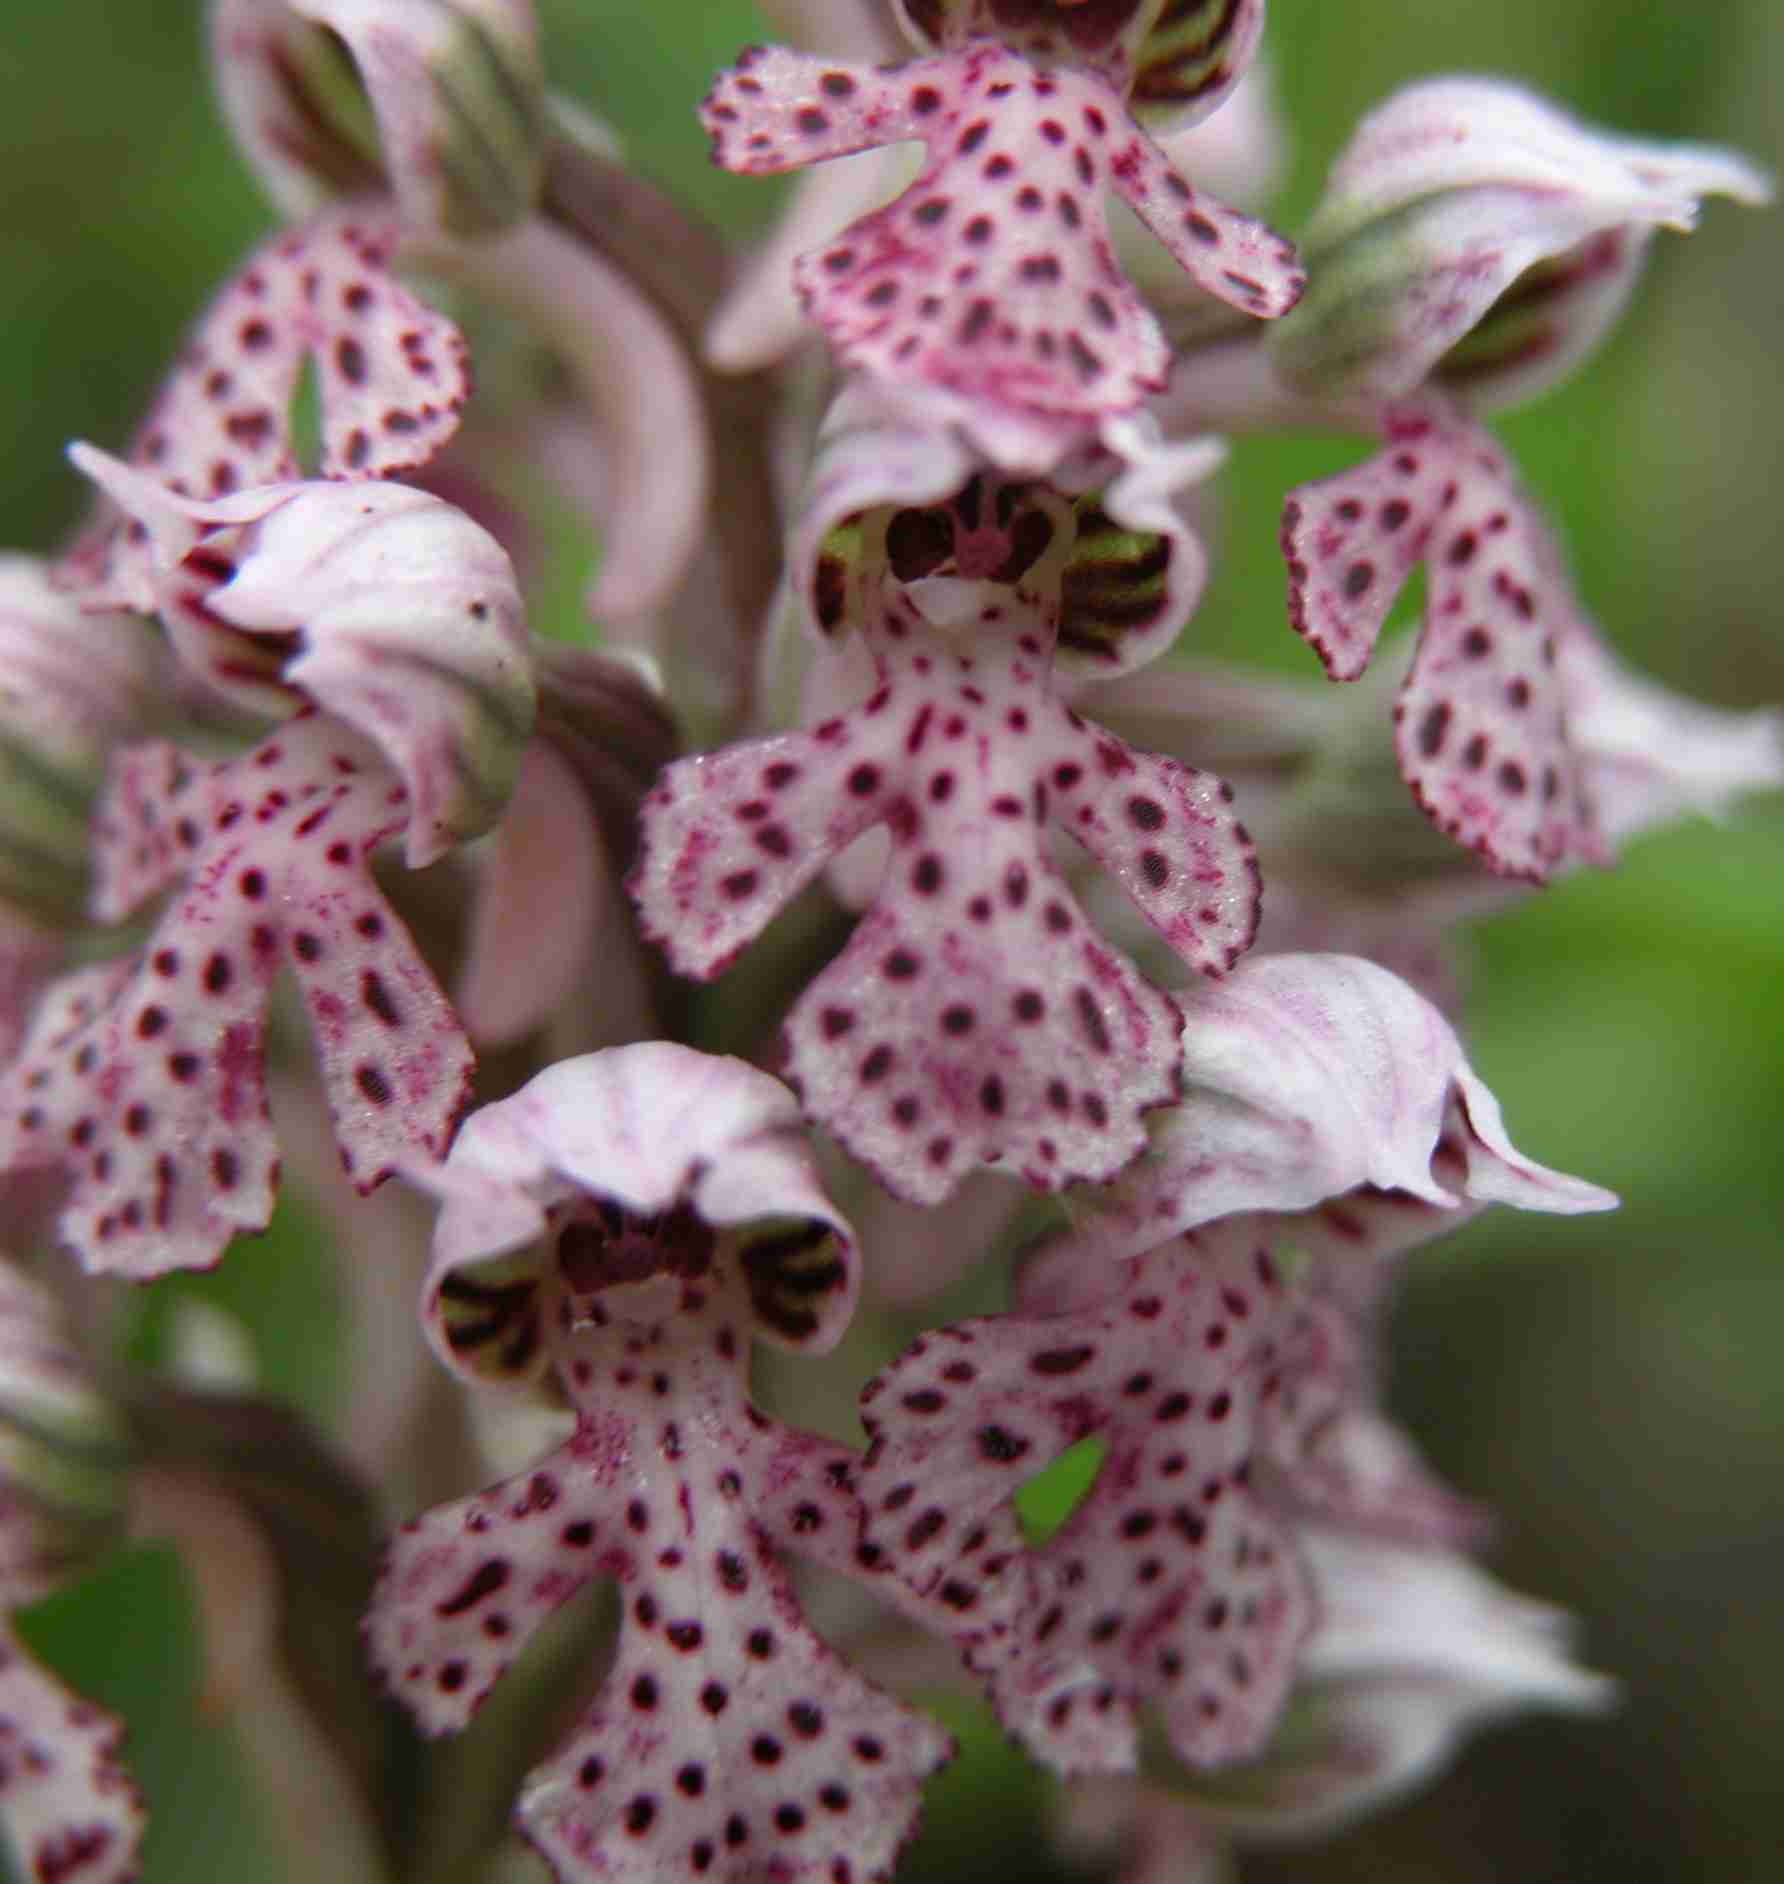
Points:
[[440, 101], [1474, 237]]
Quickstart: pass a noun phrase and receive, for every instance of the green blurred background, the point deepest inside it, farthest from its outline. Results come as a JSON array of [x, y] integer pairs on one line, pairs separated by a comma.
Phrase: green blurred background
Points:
[[1614, 1386]]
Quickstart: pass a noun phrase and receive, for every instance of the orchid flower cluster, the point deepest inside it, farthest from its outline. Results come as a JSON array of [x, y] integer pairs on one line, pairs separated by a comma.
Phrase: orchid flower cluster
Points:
[[1168, 1106]]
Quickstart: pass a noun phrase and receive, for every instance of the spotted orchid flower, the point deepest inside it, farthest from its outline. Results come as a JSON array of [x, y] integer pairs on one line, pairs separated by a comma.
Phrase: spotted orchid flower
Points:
[[973, 1017], [1212, 1382], [1477, 244], [390, 375], [68, 1805], [142, 1078], [456, 93], [989, 285], [1413, 1650], [1228, 1373], [628, 1224], [1351, 866]]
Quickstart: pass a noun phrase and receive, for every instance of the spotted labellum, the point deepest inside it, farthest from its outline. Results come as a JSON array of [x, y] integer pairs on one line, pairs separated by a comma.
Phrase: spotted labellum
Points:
[[973, 1017], [142, 1079], [990, 282], [1173, 1583], [1481, 722], [390, 374], [630, 1223]]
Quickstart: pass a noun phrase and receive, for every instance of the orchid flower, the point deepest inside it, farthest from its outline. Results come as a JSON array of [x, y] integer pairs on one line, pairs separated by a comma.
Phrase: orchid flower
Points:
[[67, 1802], [972, 1018], [1477, 244], [142, 1077], [1315, 768], [1003, 306], [629, 1223], [1414, 1649], [1228, 1378], [390, 375]]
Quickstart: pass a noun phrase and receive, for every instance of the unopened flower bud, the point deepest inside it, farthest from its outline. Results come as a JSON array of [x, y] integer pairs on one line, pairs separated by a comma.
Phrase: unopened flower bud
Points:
[[1474, 236], [378, 603], [443, 102], [71, 685]]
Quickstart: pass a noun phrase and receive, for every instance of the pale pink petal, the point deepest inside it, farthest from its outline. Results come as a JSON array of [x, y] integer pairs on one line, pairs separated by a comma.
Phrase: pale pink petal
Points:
[[1651, 757], [643, 402], [1171, 1583], [379, 603], [727, 1738], [69, 1806], [1007, 298], [1414, 1650], [973, 1017], [456, 92], [391, 376], [643, 1131], [1307, 1076], [1481, 724], [1440, 208], [545, 856], [143, 1079]]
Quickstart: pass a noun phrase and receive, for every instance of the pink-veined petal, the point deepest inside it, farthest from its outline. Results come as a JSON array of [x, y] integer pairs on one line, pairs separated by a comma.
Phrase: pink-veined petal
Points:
[[380, 604], [1651, 757], [143, 1079], [1473, 235]]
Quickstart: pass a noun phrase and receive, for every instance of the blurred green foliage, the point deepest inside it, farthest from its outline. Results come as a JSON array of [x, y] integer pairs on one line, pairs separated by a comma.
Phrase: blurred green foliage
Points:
[[1612, 1385]]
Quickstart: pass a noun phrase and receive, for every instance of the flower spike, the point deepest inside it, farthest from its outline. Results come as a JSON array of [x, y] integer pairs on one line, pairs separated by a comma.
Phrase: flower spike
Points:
[[143, 1078], [991, 280], [973, 1017], [391, 375], [634, 1219]]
